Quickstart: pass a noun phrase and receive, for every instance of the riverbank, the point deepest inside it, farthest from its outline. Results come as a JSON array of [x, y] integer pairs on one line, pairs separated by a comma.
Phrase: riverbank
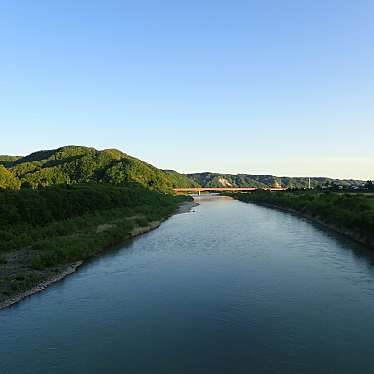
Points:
[[355, 236], [48, 277], [351, 216], [71, 268]]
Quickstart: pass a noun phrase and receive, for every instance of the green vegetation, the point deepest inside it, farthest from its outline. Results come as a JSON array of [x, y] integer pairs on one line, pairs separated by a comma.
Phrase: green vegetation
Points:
[[181, 180], [27, 211], [351, 214], [43, 230], [265, 181], [76, 164], [229, 180], [64, 205], [369, 186], [8, 161], [8, 180]]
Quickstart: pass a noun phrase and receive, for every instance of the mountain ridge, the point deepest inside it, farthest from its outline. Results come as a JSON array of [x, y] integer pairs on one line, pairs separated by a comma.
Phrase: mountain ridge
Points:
[[79, 164], [209, 179]]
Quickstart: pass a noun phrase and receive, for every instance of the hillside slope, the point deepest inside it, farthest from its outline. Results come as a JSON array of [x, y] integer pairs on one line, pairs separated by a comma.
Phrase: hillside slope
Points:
[[77, 164], [208, 179], [181, 180]]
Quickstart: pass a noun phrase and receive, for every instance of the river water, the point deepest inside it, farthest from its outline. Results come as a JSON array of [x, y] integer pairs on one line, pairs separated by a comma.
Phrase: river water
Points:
[[229, 288]]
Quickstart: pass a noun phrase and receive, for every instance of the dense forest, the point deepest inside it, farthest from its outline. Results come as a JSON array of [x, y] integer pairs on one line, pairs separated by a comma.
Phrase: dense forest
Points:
[[352, 214], [24, 212], [181, 180], [76, 164]]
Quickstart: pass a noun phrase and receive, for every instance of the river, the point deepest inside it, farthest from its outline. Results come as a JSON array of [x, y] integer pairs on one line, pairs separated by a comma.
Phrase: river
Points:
[[228, 288]]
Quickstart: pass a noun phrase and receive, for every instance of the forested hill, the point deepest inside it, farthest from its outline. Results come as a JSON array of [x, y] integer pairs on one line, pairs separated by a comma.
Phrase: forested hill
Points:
[[76, 164], [263, 181], [181, 180]]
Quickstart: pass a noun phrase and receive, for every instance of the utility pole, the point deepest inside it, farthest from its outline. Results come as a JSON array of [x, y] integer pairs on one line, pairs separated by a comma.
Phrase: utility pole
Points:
[[309, 183]]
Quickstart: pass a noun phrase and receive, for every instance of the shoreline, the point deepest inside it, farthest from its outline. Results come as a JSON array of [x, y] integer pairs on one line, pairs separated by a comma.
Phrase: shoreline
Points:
[[352, 235], [71, 268]]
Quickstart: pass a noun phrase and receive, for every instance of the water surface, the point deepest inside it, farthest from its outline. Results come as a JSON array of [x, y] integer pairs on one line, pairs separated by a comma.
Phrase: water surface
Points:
[[229, 288]]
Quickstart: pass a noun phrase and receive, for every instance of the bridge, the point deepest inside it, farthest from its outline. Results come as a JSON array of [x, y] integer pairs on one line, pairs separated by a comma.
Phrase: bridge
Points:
[[198, 190]]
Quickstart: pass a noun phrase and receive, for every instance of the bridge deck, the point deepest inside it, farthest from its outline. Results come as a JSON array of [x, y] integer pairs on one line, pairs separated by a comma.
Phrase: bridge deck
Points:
[[201, 189]]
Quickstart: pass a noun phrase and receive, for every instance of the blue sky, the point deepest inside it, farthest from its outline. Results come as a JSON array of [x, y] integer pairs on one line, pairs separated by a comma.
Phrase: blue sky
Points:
[[270, 87]]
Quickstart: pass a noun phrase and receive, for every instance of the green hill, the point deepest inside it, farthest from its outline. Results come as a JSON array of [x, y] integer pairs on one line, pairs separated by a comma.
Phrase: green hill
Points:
[[208, 179], [181, 180], [76, 164]]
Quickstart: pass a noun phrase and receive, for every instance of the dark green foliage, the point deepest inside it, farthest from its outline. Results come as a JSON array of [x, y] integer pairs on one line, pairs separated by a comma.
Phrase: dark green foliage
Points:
[[26, 213], [369, 185], [8, 161], [132, 170], [70, 248], [75, 164], [353, 212], [181, 180], [42, 230]]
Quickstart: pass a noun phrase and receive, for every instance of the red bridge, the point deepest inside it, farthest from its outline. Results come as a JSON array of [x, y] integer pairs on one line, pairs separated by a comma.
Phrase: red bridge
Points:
[[218, 189]]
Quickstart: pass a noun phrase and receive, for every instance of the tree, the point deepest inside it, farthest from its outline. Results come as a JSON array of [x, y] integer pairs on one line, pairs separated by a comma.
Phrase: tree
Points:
[[369, 185], [8, 180]]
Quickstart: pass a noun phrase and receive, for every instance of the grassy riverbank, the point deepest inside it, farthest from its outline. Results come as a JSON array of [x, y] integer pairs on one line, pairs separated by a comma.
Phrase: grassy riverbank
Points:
[[45, 233], [349, 214]]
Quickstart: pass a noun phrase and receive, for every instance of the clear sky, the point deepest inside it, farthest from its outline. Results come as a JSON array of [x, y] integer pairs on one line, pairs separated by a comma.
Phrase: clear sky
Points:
[[266, 86]]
